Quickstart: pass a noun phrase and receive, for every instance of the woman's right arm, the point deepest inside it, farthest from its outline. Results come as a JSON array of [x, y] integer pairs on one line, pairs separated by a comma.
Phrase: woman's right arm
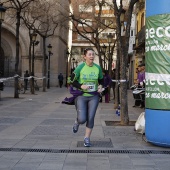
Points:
[[74, 81], [76, 84]]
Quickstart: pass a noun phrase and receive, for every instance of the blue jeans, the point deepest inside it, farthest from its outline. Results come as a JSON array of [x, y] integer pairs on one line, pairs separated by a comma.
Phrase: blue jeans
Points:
[[86, 107]]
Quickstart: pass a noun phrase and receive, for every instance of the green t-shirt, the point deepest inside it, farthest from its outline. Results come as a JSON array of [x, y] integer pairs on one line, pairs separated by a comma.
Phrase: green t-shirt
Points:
[[88, 75]]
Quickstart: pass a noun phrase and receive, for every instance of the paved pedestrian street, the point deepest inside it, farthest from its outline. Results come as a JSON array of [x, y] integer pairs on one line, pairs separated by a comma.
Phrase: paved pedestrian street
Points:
[[36, 134]]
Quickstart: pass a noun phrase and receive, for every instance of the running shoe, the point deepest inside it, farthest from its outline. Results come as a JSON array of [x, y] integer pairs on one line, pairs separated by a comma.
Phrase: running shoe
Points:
[[87, 142], [75, 127]]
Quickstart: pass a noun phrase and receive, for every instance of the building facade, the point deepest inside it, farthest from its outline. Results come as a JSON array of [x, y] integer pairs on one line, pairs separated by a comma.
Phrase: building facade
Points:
[[95, 28], [59, 41], [139, 46]]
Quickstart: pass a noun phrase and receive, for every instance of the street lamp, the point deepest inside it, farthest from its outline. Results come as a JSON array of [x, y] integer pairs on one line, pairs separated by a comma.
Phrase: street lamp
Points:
[[122, 15], [76, 63], [122, 19], [2, 16], [49, 54], [104, 52], [34, 42], [109, 39], [104, 48], [73, 60], [67, 55]]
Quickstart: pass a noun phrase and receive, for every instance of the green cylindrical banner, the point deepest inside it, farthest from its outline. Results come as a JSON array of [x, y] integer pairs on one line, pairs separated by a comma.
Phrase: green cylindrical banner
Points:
[[157, 50]]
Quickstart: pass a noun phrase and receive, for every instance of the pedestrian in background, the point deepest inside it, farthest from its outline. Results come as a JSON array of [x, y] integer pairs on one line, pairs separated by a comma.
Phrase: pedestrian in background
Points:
[[60, 79], [88, 78], [141, 75], [141, 81], [107, 83], [113, 83]]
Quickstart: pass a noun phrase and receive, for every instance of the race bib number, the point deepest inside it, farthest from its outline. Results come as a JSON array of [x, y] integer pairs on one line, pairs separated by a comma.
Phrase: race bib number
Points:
[[91, 86]]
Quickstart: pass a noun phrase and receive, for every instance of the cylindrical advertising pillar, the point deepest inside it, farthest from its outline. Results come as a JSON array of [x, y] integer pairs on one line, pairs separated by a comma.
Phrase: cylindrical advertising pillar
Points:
[[157, 94]]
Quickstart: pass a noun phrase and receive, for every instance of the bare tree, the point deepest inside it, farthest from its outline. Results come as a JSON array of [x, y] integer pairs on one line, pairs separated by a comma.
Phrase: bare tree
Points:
[[122, 42], [43, 18], [95, 27], [16, 7], [100, 23], [123, 45]]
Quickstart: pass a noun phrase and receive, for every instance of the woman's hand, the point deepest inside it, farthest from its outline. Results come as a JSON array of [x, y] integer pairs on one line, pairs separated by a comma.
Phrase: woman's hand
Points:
[[100, 89], [84, 87]]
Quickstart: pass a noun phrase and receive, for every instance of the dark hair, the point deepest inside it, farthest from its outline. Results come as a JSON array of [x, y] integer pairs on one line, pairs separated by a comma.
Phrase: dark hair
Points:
[[87, 49]]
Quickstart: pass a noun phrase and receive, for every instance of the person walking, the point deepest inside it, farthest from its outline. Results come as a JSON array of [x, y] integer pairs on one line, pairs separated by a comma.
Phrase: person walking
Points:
[[60, 79], [141, 75], [107, 83], [141, 81], [26, 75], [113, 83], [88, 79]]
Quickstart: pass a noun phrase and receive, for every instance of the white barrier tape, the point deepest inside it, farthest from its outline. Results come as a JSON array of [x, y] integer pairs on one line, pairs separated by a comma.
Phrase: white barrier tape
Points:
[[9, 78], [115, 80], [5, 79], [21, 78], [30, 77], [38, 78], [122, 81], [16, 75]]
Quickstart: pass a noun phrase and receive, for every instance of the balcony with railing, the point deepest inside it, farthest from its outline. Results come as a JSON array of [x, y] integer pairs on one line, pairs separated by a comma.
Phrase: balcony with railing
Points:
[[140, 39], [141, 35]]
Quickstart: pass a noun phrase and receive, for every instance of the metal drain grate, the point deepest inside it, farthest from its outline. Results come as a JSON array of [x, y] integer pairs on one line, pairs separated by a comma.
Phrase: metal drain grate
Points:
[[86, 151], [106, 144]]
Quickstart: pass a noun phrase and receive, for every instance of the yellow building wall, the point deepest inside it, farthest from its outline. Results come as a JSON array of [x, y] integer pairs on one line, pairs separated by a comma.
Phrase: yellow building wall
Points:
[[139, 17], [138, 28], [135, 69]]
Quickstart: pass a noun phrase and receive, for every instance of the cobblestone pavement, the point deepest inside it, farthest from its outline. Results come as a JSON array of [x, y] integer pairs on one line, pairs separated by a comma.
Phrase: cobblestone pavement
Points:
[[36, 134]]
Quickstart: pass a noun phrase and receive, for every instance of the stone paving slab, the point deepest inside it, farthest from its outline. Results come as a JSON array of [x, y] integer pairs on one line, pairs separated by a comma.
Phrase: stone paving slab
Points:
[[34, 123]]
